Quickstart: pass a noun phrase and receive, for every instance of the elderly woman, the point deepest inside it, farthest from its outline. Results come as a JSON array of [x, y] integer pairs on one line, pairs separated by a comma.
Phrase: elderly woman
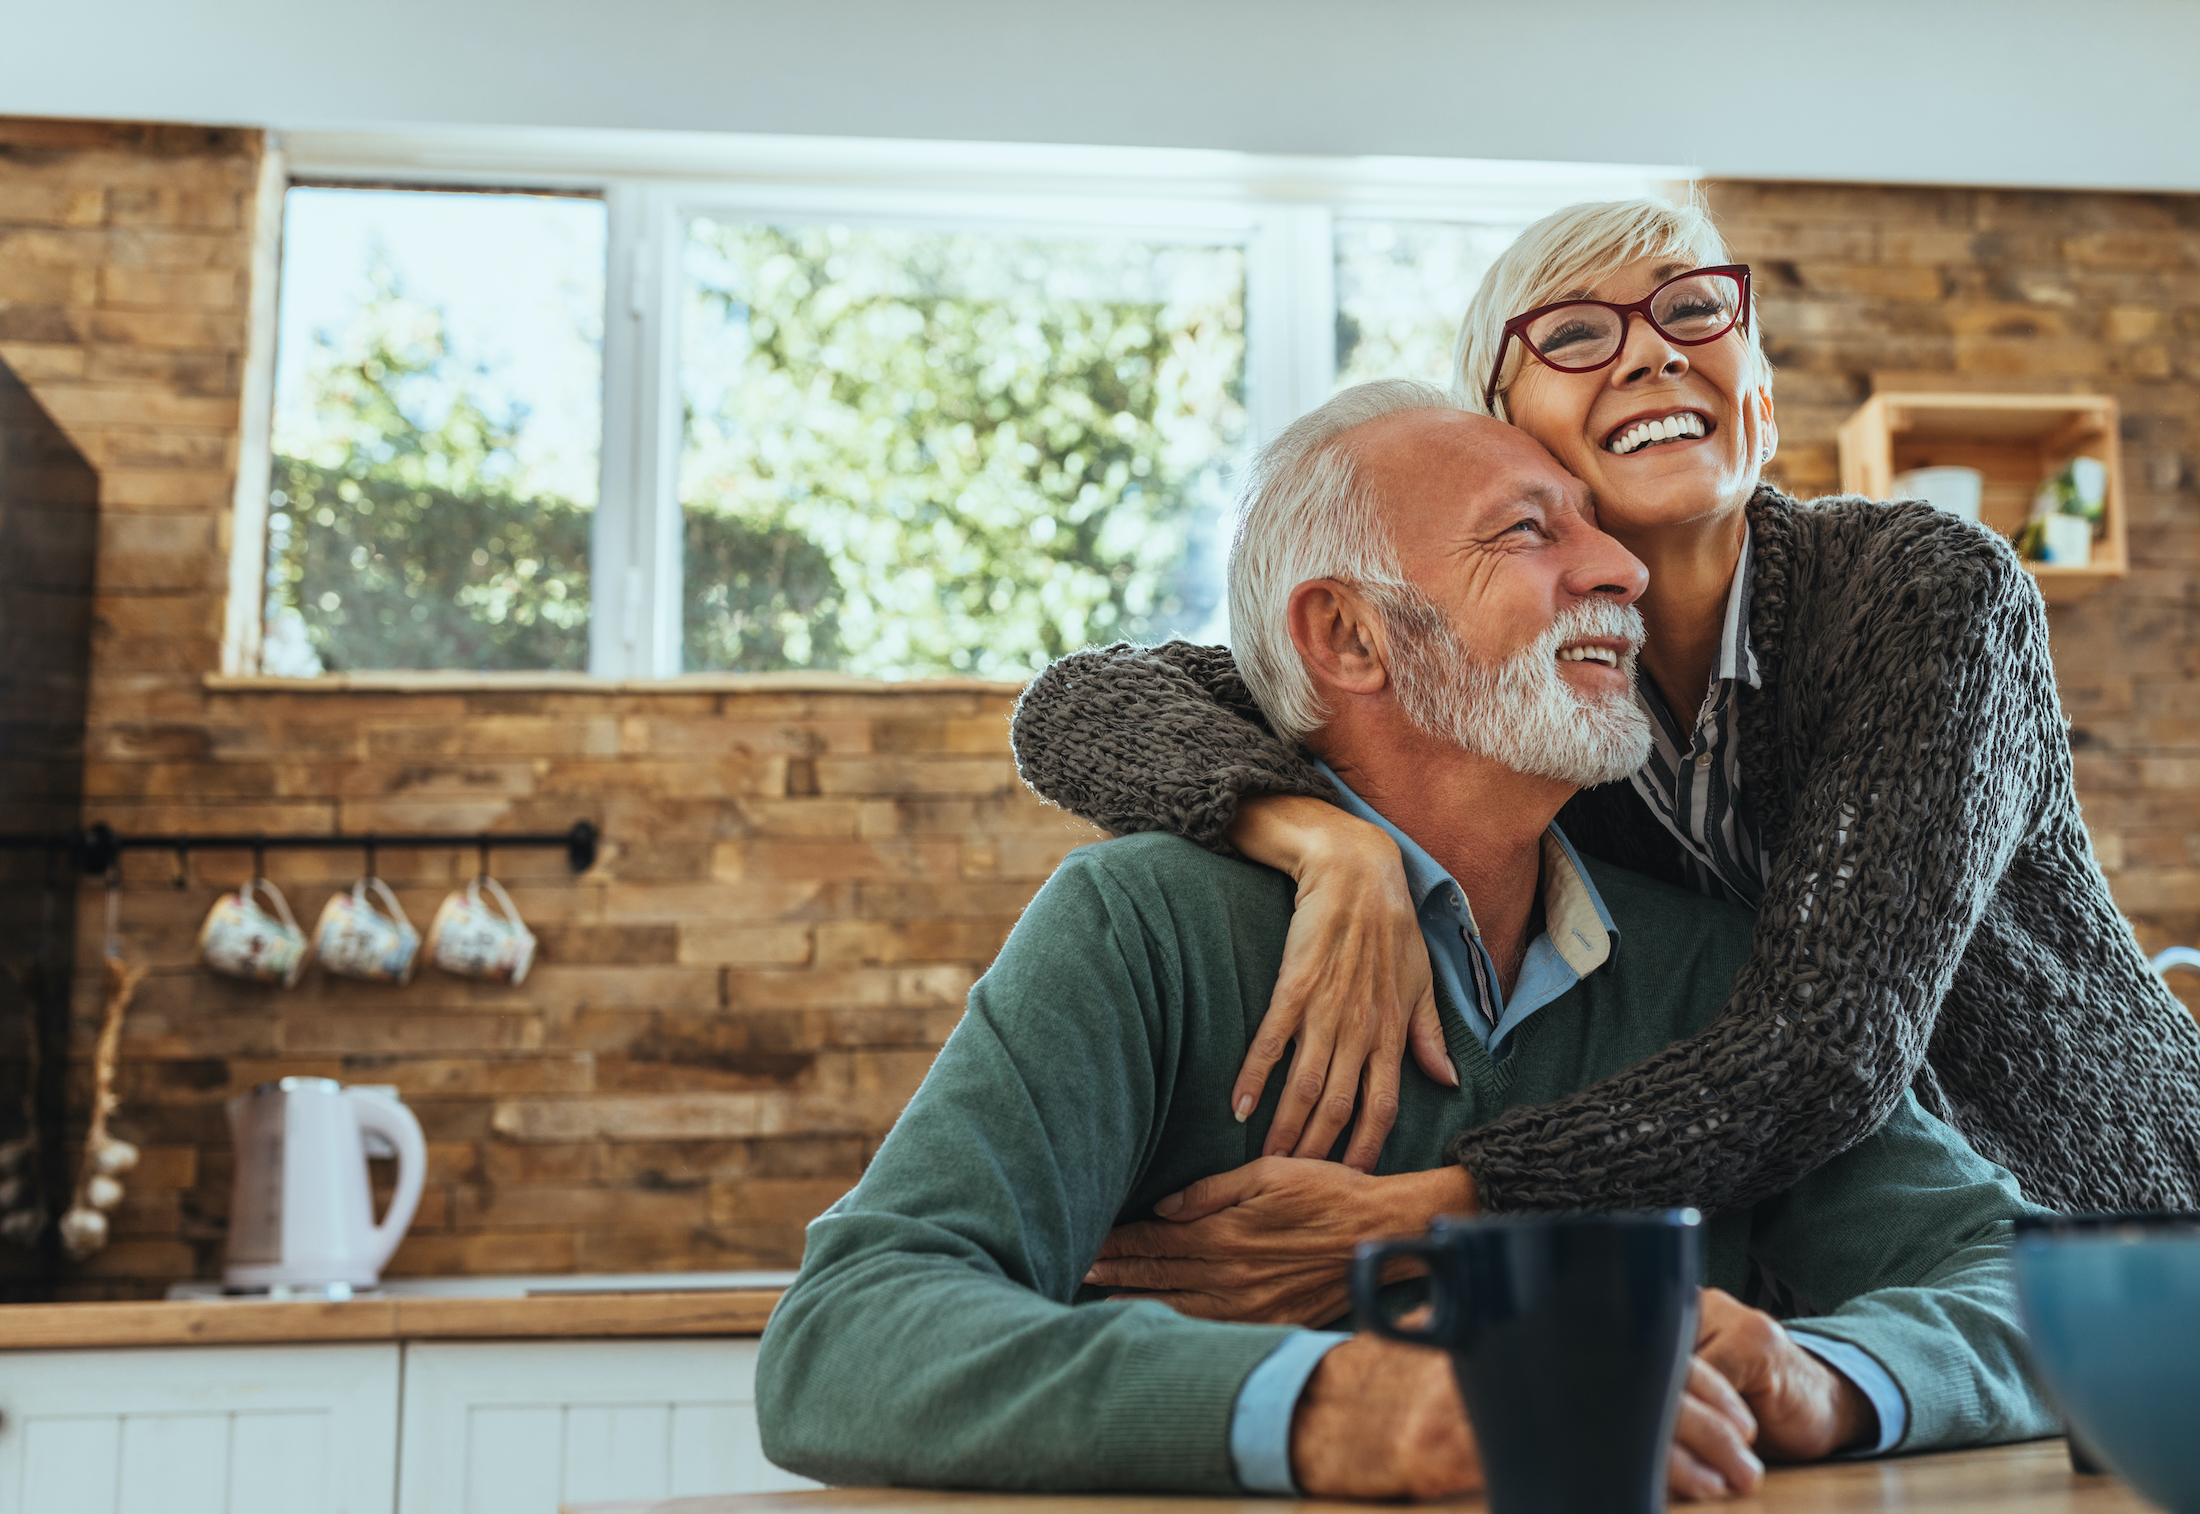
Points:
[[1856, 734]]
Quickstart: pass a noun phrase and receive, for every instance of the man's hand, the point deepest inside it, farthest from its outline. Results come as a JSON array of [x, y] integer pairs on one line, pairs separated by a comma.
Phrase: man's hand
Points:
[[1383, 1420], [1750, 1386], [1270, 1242], [1804, 1409]]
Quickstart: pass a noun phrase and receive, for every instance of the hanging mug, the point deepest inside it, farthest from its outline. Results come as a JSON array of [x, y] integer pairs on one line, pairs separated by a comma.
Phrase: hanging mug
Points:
[[243, 940], [356, 940], [474, 940]]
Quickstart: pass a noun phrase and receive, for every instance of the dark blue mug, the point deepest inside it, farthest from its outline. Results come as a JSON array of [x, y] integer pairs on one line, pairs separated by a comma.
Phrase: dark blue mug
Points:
[[1570, 1336]]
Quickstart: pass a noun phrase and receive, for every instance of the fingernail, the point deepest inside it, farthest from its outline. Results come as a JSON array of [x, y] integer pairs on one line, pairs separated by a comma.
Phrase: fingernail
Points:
[[1453, 1063], [1245, 1106], [1092, 1275], [1171, 1204]]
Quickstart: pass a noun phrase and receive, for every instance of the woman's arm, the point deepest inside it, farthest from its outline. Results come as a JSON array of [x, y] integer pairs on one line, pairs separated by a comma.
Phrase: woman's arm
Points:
[[1940, 736], [1168, 738], [1354, 989], [1160, 738]]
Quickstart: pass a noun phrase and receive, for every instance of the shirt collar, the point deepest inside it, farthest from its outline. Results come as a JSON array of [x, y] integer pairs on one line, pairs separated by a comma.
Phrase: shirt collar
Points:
[[1580, 928]]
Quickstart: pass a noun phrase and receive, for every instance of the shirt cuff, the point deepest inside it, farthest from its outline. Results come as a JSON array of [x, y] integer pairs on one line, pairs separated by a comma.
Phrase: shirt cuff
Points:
[[1260, 1421], [1859, 1367]]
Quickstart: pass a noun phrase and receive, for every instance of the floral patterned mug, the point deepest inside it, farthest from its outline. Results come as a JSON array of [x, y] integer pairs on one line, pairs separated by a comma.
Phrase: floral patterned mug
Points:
[[475, 940], [244, 940], [356, 940]]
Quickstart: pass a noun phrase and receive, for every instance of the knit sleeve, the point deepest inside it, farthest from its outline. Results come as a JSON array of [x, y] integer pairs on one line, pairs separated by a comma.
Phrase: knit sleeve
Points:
[[1163, 738], [1939, 733]]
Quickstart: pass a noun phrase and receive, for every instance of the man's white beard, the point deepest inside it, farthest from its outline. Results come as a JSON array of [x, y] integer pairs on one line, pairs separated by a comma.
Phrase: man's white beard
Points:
[[1520, 712]]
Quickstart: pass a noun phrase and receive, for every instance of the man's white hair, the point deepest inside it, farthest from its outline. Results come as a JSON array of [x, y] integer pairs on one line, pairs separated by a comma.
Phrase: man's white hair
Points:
[[1563, 255], [1306, 513]]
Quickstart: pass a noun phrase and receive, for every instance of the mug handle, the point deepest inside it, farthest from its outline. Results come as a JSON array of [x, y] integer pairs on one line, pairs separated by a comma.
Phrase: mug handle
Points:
[[389, 899], [504, 900], [282, 905], [1367, 1286]]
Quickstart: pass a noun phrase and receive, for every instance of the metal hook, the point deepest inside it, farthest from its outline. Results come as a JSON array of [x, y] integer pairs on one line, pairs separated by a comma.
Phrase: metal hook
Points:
[[484, 844], [259, 857], [183, 865], [114, 909], [370, 856]]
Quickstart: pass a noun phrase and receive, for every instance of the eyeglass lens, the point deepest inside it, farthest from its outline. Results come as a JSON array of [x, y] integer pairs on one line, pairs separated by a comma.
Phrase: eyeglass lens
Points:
[[1578, 337]]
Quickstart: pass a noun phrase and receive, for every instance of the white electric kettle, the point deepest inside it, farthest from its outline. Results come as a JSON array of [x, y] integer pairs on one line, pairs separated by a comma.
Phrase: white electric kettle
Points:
[[300, 1215]]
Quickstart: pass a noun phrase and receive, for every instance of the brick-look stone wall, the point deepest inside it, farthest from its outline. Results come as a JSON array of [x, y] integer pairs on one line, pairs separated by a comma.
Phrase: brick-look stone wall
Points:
[[2055, 292], [797, 888], [124, 254], [796, 891], [800, 884]]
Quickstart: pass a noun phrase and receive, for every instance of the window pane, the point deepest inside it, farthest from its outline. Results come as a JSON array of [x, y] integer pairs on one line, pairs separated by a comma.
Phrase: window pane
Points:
[[1402, 287], [915, 452], [438, 419]]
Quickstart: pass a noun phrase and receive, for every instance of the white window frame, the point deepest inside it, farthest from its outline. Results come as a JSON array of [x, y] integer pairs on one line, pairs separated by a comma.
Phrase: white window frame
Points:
[[1282, 211]]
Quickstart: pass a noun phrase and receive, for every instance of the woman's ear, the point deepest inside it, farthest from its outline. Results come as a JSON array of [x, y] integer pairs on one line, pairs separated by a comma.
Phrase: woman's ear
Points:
[[1338, 637], [1768, 428]]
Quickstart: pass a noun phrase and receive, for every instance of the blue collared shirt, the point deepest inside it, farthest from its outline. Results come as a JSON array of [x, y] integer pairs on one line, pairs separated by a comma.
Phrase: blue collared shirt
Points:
[[1578, 937]]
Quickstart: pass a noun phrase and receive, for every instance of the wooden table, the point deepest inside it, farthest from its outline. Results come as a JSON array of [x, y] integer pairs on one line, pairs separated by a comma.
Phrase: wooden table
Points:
[[2033, 1478]]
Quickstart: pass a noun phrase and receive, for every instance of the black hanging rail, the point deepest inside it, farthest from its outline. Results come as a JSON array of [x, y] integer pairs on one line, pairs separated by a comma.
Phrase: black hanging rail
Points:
[[98, 847]]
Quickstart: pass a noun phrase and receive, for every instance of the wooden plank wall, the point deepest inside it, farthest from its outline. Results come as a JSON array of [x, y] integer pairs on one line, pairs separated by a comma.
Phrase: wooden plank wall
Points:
[[801, 883]]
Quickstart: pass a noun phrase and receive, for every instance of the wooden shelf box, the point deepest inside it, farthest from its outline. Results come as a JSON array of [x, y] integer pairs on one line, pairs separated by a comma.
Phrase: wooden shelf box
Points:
[[2016, 441]]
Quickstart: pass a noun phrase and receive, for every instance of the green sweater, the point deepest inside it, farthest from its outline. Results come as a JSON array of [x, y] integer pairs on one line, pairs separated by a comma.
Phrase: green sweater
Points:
[[940, 1334]]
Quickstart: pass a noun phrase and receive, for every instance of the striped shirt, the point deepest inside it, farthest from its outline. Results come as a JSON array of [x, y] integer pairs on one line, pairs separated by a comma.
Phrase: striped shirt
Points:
[[1693, 779]]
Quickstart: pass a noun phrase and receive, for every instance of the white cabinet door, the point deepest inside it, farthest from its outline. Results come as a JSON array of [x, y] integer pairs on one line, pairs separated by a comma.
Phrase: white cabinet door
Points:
[[519, 1428], [199, 1430]]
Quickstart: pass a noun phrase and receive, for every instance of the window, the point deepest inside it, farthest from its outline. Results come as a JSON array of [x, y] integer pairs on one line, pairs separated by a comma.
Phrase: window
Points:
[[438, 415], [1402, 287], [921, 452], [874, 409]]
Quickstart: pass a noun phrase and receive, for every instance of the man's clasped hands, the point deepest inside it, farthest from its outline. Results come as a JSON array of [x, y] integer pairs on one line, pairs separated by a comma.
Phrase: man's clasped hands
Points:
[[1268, 1243]]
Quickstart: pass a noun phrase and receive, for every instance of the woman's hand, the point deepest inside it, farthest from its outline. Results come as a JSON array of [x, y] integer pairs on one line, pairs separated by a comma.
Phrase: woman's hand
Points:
[[1354, 989], [1270, 1242]]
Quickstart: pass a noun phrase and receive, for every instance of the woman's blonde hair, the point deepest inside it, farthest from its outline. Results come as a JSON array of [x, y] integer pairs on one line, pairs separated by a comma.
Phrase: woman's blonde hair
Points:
[[1566, 253]]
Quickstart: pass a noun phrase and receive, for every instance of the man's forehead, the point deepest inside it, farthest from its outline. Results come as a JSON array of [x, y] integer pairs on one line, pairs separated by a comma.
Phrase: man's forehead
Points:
[[1464, 458]]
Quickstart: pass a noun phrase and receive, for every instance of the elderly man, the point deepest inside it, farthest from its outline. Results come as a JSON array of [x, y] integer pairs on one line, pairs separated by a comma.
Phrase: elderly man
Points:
[[1425, 595]]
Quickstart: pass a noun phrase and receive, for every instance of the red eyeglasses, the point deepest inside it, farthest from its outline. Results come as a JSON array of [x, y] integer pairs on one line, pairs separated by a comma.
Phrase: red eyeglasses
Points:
[[1581, 336]]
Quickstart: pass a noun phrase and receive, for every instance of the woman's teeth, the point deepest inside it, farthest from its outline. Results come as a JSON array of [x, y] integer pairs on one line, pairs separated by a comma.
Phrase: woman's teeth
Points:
[[1604, 655], [1642, 434]]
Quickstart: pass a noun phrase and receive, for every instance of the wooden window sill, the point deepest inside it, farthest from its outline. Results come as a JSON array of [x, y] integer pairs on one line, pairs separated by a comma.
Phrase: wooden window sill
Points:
[[582, 683]]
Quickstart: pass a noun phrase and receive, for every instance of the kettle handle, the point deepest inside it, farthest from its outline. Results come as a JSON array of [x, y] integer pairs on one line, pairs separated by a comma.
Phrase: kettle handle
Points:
[[385, 1116]]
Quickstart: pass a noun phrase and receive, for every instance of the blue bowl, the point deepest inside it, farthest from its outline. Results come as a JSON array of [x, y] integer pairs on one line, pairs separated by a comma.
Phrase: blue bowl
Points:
[[2112, 1307]]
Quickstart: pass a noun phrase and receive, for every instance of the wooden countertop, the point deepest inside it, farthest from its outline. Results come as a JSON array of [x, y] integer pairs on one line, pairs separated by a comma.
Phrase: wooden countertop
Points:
[[2033, 1478], [237, 1322]]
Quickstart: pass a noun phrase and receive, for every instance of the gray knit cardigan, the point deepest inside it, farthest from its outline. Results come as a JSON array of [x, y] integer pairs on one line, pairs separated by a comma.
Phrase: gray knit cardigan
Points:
[[1934, 918]]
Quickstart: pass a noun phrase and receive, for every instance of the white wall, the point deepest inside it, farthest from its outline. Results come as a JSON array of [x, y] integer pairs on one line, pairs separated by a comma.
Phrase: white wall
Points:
[[2103, 93]]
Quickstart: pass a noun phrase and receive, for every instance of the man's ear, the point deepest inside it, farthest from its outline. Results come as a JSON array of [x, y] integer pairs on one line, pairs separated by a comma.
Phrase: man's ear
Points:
[[1339, 637]]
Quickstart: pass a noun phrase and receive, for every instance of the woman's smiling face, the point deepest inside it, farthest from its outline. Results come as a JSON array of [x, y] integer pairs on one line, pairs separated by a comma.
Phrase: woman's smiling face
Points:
[[1715, 397]]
